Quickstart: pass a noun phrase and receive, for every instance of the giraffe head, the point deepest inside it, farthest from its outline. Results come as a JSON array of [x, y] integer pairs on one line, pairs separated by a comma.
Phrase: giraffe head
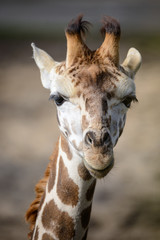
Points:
[[92, 92]]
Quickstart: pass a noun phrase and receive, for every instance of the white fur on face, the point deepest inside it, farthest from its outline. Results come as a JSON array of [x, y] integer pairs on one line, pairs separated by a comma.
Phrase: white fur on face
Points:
[[69, 116], [70, 113]]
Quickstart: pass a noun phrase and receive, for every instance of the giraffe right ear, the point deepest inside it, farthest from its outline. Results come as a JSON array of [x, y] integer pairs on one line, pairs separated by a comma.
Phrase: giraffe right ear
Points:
[[45, 64], [132, 62]]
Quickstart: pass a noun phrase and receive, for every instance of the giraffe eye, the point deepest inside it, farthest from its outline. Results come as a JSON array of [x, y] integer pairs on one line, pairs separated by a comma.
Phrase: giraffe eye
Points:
[[58, 99], [128, 100]]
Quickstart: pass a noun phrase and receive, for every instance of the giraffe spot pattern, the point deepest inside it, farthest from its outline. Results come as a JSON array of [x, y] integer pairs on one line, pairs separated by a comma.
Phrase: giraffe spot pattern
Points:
[[67, 190], [65, 147], [83, 172], [58, 222]]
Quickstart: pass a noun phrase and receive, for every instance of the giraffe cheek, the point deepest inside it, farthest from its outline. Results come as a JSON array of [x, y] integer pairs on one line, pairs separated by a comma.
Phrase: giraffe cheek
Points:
[[117, 132]]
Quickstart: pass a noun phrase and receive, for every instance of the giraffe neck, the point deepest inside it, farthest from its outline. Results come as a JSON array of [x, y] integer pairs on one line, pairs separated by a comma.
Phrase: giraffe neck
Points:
[[65, 210]]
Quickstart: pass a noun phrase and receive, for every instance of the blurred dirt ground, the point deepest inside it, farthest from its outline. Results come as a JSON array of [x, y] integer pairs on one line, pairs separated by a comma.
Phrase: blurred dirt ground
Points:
[[127, 202]]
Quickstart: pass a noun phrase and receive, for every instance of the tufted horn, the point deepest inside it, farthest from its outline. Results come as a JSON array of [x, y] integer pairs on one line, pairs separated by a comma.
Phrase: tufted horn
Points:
[[75, 45], [110, 46]]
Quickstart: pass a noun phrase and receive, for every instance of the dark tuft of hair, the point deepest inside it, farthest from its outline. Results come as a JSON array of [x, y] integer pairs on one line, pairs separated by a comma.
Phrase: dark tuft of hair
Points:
[[111, 26], [77, 26]]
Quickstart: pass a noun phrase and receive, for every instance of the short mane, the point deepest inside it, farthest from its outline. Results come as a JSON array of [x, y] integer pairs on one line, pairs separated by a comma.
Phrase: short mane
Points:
[[32, 211]]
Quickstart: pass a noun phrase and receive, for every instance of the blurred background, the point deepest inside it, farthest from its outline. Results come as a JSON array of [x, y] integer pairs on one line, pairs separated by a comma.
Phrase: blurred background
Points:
[[127, 202]]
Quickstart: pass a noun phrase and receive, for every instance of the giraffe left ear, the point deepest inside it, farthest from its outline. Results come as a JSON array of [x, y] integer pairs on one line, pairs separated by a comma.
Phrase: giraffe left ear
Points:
[[45, 64], [132, 62]]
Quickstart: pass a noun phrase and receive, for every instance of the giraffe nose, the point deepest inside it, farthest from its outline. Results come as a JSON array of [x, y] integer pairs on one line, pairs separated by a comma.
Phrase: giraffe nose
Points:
[[97, 139]]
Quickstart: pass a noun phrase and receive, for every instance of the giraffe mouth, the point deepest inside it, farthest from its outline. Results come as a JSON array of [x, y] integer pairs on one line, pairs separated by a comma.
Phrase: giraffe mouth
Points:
[[96, 173]]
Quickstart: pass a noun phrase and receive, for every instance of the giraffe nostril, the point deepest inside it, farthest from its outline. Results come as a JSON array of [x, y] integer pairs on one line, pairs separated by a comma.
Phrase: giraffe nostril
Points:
[[89, 138], [106, 138], [97, 139]]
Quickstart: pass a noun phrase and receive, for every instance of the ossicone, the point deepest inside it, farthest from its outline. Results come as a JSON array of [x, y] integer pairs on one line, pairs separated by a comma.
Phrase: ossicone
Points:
[[110, 46], [76, 48], [110, 26], [77, 26]]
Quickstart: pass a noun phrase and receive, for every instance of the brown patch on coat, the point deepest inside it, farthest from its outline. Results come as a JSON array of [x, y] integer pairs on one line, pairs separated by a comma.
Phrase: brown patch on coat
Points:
[[46, 236], [90, 191], [85, 216], [65, 147], [33, 210], [67, 190], [83, 172], [58, 222]]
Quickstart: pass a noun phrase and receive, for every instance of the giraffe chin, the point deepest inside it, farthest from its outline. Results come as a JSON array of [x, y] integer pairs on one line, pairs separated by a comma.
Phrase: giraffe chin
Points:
[[96, 173]]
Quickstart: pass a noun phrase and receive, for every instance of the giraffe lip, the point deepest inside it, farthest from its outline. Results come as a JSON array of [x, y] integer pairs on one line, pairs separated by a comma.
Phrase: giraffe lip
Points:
[[99, 173]]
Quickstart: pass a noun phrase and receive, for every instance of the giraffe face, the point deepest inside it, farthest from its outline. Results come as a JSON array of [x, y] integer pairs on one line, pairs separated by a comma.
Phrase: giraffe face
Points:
[[92, 116], [92, 92]]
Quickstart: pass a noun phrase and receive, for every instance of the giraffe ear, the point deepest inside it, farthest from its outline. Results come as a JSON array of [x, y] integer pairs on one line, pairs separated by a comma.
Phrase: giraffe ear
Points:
[[132, 62], [45, 64]]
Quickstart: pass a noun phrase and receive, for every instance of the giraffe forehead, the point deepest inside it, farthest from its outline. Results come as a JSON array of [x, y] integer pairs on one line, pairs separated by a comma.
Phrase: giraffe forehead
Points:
[[103, 84], [92, 79], [94, 76]]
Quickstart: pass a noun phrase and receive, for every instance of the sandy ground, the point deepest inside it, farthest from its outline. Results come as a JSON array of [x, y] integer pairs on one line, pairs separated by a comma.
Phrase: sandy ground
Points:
[[127, 202]]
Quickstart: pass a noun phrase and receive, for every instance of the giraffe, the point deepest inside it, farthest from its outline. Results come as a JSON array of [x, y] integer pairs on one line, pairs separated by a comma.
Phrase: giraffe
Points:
[[92, 93]]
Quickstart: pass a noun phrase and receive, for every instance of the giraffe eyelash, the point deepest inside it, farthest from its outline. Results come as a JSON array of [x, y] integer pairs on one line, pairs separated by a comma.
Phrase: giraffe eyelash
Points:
[[58, 99], [128, 100]]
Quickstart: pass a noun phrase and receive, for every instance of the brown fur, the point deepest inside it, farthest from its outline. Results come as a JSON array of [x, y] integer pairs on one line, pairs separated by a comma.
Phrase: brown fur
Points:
[[65, 147], [32, 211], [67, 190], [83, 172], [60, 223]]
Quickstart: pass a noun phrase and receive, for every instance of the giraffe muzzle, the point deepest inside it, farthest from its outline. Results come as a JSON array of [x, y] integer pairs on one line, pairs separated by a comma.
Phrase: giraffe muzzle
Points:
[[98, 152], [99, 173]]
